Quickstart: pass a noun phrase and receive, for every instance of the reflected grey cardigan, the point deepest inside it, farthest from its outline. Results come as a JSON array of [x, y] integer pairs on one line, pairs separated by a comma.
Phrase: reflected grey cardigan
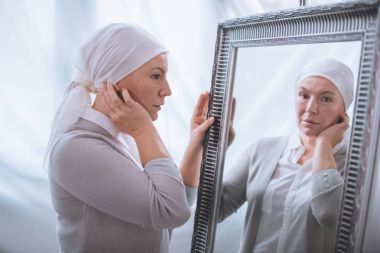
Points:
[[105, 203], [248, 183]]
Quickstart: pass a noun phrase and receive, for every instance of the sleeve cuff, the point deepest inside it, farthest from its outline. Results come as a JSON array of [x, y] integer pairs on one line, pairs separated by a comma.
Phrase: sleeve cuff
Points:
[[325, 180], [191, 194]]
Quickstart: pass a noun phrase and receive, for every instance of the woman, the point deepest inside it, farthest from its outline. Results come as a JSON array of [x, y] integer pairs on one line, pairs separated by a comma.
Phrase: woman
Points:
[[293, 184], [113, 184]]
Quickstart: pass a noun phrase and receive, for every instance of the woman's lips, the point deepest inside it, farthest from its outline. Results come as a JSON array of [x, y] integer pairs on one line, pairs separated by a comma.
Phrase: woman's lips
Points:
[[310, 123], [158, 107]]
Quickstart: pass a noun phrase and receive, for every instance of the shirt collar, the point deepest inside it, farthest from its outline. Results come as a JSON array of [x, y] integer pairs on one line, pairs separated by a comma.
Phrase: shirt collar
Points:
[[295, 141], [102, 120]]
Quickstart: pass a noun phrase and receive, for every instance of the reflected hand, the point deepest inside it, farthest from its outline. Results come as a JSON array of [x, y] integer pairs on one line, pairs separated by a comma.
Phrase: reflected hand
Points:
[[323, 154], [128, 116], [231, 130], [334, 134]]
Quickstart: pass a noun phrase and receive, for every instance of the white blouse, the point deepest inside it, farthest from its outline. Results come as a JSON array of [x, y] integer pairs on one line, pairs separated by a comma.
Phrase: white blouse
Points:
[[286, 201]]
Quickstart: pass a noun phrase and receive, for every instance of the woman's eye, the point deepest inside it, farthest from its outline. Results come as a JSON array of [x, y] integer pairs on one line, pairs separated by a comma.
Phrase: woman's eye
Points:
[[303, 95], [326, 99], [156, 76]]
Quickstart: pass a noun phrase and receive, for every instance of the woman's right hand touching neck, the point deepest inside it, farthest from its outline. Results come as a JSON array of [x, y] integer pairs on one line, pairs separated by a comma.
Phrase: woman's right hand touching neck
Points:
[[131, 118]]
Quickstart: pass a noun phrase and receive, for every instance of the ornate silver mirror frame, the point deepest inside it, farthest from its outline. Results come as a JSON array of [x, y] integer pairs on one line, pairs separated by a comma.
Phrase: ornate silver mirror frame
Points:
[[349, 21]]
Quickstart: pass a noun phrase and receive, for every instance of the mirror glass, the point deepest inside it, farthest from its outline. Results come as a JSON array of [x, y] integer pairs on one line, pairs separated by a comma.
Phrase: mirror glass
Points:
[[264, 88]]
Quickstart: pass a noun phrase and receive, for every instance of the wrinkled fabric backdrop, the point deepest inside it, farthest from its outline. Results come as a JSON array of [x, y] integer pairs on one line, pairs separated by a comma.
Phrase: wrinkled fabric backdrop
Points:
[[38, 44]]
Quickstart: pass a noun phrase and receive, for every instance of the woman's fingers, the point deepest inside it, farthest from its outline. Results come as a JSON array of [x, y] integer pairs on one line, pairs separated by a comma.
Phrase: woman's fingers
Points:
[[206, 125], [335, 133], [106, 104], [231, 135], [346, 119], [345, 122], [233, 110], [107, 96], [205, 103], [126, 96], [116, 100], [199, 108]]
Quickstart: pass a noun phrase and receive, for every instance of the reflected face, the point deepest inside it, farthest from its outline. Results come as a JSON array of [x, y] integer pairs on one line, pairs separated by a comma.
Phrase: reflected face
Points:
[[148, 84], [318, 105]]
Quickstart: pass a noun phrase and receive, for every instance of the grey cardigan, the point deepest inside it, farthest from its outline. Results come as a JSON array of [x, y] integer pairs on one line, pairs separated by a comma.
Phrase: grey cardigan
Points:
[[250, 179], [105, 203]]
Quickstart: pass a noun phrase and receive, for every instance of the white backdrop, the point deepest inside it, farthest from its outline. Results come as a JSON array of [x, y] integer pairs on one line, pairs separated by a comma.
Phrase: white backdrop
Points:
[[38, 44]]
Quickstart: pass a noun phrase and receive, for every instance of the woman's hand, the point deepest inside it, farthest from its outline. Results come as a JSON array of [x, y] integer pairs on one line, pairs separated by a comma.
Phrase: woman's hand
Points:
[[128, 116], [323, 154], [231, 130], [199, 122], [191, 162], [334, 134]]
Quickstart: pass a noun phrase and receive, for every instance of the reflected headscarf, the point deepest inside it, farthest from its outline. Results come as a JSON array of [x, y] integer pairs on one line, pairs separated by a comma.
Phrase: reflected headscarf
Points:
[[335, 71], [109, 54]]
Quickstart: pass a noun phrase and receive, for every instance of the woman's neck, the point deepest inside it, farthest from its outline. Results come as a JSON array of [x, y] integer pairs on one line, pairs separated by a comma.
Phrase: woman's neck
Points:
[[308, 142], [98, 105]]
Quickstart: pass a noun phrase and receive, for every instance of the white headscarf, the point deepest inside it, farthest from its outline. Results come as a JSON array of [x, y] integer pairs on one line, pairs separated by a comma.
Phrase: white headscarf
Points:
[[335, 71], [110, 54]]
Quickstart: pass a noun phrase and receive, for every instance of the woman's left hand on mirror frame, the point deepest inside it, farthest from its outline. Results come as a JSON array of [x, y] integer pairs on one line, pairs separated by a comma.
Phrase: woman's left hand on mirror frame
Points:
[[191, 162], [199, 122]]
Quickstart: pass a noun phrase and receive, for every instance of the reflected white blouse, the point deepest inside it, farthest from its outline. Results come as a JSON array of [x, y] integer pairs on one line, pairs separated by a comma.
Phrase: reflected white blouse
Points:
[[284, 208]]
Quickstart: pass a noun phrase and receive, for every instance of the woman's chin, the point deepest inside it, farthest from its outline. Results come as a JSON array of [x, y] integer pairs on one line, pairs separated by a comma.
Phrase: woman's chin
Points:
[[310, 132], [154, 116]]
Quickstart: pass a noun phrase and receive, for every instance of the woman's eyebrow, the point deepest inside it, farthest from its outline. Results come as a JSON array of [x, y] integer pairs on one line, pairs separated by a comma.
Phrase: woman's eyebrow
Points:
[[158, 68], [302, 89], [327, 93]]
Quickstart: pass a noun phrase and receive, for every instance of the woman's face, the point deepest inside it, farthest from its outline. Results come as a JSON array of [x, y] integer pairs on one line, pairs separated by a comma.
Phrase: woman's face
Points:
[[148, 85], [318, 105]]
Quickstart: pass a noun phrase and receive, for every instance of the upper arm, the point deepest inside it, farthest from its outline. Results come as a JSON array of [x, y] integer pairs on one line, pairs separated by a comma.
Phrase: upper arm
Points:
[[234, 185]]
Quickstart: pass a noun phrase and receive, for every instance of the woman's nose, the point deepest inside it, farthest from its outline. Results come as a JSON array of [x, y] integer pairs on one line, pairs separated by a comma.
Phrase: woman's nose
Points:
[[312, 106], [165, 91]]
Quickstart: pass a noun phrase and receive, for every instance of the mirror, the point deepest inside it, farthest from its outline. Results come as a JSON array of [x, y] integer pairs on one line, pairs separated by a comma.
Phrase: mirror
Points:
[[263, 86], [257, 60]]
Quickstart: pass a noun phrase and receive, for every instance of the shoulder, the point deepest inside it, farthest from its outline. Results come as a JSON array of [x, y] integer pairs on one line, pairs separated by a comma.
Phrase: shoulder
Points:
[[267, 146], [269, 142], [76, 140], [78, 146], [273, 140]]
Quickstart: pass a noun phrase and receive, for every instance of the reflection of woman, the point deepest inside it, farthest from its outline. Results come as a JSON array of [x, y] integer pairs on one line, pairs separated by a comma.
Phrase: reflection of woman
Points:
[[293, 184], [113, 184]]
